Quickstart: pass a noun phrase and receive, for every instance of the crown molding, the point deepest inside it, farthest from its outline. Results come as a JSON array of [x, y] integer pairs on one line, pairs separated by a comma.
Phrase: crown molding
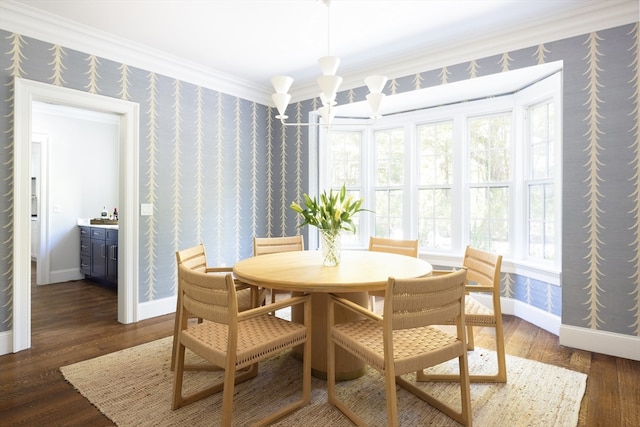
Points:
[[33, 23], [27, 21], [589, 18]]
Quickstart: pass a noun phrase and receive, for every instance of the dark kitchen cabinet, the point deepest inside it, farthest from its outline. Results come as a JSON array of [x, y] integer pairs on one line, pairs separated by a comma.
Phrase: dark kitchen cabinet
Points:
[[99, 254]]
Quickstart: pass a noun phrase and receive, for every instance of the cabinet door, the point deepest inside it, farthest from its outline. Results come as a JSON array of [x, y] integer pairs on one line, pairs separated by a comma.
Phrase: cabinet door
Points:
[[98, 258], [85, 265], [85, 250], [112, 262]]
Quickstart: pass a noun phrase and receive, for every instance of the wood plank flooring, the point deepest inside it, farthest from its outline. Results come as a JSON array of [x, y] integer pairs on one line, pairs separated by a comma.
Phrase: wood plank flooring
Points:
[[76, 321]]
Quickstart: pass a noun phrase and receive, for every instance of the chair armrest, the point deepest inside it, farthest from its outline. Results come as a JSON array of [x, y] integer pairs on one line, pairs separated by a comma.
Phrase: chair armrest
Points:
[[355, 307], [269, 308], [441, 272], [242, 285], [478, 288], [238, 283], [219, 270]]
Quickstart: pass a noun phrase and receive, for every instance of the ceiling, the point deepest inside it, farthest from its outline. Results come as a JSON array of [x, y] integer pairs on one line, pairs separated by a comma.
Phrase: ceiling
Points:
[[253, 40]]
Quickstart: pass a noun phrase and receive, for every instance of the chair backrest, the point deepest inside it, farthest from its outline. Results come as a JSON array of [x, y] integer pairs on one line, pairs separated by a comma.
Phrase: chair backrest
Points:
[[207, 296], [401, 247], [270, 245], [424, 301], [483, 268], [193, 258]]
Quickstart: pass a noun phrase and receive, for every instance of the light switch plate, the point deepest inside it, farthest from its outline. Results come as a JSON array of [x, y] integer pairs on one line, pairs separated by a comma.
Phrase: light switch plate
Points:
[[146, 209]]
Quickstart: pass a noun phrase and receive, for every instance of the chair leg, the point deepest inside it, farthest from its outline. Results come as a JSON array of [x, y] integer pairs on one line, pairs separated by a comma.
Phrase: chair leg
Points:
[[227, 393], [392, 398], [178, 374], [332, 397], [176, 330], [465, 391], [470, 343], [502, 363]]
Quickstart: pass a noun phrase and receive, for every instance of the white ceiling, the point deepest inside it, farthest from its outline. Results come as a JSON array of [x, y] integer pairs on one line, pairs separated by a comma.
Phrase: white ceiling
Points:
[[252, 40]]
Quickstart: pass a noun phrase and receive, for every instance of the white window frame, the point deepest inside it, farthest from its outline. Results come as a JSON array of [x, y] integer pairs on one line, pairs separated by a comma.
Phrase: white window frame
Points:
[[518, 103]]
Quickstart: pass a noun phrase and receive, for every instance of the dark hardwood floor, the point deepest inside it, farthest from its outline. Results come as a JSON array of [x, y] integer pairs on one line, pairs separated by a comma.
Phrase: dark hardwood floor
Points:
[[76, 321]]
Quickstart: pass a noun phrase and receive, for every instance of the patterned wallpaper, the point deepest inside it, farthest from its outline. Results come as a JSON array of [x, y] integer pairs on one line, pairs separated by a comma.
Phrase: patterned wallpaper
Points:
[[220, 170]]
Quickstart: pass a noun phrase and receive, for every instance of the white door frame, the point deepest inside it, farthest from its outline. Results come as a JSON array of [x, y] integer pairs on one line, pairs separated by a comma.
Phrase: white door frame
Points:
[[25, 92]]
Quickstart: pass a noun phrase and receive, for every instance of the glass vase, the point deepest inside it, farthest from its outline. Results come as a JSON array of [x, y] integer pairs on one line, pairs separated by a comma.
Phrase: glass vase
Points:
[[330, 243]]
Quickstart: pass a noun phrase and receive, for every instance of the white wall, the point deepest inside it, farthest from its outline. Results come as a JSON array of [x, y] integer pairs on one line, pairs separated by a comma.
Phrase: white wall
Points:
[[82, 178]]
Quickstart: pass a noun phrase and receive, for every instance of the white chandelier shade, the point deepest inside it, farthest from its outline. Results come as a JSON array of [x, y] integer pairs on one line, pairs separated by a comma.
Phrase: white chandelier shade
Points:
[[281, 98]]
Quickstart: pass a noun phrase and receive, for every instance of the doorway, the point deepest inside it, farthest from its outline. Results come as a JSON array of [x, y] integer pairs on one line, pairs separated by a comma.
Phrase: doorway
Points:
[[74, 179], [27, 91]]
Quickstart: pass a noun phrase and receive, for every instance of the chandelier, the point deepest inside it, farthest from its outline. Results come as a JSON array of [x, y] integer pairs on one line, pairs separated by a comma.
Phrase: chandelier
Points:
[[329, 83]]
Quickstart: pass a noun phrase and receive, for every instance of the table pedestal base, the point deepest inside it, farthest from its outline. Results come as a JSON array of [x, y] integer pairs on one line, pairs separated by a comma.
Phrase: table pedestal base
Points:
[[348, 367]]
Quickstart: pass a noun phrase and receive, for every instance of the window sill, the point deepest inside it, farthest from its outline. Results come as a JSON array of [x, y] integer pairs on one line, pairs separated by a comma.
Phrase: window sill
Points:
[[543, 273]]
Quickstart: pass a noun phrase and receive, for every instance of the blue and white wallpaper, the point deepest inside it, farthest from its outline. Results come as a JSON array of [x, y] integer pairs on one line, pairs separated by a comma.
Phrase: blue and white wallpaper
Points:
[[220, 169]]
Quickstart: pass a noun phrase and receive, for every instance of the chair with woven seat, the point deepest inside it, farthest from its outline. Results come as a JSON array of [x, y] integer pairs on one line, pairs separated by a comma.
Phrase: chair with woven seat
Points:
[[403, 339], [235, 340], [272, 245], [393, 246], [195, 258], [483, 275]]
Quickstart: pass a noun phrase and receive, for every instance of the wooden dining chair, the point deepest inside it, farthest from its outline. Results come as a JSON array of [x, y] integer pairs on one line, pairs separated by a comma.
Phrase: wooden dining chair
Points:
[[195, 258], [235, 340], [271, 245], [394, 246], [403, 339], [483, 276]]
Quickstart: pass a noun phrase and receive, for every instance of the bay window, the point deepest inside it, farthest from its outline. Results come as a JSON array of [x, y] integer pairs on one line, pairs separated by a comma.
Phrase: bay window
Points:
[[481, 173]]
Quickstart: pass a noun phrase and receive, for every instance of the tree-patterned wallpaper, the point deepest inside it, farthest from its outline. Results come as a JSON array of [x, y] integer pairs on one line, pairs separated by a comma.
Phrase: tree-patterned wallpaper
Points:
[[219, 169]]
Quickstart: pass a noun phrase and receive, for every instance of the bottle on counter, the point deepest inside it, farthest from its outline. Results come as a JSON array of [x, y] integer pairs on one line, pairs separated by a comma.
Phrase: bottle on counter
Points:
[[104, 214], [115, 213]]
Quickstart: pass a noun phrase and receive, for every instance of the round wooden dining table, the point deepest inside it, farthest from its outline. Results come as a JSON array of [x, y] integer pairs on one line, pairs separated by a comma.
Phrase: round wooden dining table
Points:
[[357, 273]]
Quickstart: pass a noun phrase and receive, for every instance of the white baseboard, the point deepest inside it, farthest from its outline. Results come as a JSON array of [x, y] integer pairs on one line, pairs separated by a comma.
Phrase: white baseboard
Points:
[[610, 343], [147, 310], [6, 342], [61, 276]]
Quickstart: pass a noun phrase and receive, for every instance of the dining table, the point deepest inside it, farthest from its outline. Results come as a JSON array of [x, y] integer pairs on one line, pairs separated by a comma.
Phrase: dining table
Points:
[[358, 272]]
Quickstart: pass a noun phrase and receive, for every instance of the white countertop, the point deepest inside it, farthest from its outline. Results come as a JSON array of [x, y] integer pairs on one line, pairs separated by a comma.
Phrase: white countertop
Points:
[[86, 222]]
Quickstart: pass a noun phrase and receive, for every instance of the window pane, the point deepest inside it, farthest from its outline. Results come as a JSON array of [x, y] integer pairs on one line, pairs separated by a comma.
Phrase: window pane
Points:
[[490, 146], [542, 143], [388, 218], [389, 150], [435, 150], [344, 158], [536, 203], [389, 177], [434, 218], [488, 218], [489, 168], [541, 203], [541, 221], [435, 178]]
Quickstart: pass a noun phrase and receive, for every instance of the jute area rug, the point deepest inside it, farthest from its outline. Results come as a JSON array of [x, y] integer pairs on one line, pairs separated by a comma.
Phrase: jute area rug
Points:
[[133, 387]]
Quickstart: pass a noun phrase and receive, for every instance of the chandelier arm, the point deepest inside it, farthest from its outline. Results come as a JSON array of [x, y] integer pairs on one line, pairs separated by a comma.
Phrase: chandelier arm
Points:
[[369, 122]]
